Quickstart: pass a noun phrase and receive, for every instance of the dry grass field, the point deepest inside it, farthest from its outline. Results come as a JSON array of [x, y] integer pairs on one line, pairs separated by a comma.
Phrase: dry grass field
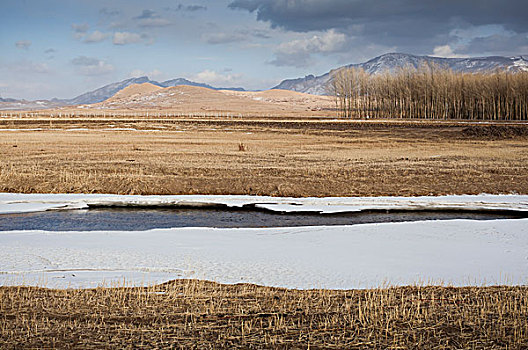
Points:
[[190, 314], [258, 156]]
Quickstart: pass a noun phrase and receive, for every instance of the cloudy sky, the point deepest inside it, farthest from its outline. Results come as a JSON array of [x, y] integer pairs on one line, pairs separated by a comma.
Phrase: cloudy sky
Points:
[[62, 48]]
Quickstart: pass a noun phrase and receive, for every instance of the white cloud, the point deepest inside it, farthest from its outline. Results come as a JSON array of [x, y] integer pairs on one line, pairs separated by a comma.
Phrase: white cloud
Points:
[[23, 44], [188, 8], [95, 37], [154, 74], [217, 36], [327, 42], [91, 66], [298, 52], [154, 22], [447, 52], [223, 38], [216, 79], [80, 28], [149, 18], [124, 38]]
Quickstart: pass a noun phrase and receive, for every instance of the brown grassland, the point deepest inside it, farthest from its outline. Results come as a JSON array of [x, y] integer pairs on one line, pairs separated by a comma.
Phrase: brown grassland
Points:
[[297, 157], [263, 156], [191, 314]]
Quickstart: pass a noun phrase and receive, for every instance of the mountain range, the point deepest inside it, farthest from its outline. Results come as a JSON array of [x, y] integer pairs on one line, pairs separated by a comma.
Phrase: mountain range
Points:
[[107, 91], [315, 85]]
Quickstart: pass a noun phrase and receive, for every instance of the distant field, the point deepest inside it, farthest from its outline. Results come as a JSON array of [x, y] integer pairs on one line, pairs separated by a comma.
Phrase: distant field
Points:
[[147, 100], [265, 156]]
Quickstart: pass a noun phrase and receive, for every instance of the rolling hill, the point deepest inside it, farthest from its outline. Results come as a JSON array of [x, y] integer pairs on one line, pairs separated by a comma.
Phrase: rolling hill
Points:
[[187, 99]]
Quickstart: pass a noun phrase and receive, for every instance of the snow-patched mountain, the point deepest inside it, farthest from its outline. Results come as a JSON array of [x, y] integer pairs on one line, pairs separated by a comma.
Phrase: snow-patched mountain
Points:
[[317, 85], [182, 81], [106, 91], [8, 99], [14, 104], [102, 94], [110, 90]]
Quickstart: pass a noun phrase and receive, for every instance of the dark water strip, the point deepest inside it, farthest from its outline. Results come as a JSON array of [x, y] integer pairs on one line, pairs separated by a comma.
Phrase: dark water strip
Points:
[[142, 218]]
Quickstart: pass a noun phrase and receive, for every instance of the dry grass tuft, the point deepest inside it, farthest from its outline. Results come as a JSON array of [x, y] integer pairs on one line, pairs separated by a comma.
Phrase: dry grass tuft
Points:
[[196, 314], [242, 147]]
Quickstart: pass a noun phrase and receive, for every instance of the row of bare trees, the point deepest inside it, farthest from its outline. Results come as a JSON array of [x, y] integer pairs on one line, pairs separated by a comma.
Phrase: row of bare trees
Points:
[[431, 92]]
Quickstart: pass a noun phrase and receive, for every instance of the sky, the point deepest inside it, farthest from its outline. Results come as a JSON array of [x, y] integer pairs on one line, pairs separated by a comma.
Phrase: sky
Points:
[[62, 48]]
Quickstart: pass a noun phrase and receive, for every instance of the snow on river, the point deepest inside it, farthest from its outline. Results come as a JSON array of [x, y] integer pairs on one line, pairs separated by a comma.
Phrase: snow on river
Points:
[[457, 252]]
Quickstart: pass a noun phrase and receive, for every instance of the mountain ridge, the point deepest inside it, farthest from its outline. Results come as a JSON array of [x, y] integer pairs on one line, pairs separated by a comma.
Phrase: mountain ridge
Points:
[[316, 85], [109, 90]]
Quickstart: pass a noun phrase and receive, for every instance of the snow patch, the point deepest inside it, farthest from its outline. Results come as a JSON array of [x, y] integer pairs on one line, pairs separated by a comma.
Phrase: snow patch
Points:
[[521, 63], [20, 203], [459, 253]]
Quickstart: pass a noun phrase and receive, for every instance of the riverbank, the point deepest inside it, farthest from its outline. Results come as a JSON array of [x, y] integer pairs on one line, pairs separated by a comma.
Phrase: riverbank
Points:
[[194, 314]]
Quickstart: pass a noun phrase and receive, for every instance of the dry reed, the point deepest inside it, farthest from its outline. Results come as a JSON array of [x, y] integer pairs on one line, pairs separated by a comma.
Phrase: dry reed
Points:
[[205, 315]]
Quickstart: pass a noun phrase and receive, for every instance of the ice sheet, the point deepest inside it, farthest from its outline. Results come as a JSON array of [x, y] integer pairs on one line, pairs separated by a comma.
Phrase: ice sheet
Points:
[[458, 252], [19, 203]]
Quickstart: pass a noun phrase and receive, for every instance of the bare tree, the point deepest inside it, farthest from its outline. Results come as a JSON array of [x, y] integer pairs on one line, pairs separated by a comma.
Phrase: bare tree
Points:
[[431, 92]]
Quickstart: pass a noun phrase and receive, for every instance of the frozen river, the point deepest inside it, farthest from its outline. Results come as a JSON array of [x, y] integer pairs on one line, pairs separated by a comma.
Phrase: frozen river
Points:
[[475, 240]]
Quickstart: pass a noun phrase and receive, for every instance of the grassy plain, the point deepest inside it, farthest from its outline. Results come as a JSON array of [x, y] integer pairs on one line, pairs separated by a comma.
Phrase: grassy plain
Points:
[[296, 157]]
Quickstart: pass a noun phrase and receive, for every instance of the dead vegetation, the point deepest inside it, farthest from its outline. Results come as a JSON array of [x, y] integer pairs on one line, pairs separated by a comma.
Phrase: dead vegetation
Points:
[[495, 132], [242, 147], [281, 158], [431, 92], [204, 315]]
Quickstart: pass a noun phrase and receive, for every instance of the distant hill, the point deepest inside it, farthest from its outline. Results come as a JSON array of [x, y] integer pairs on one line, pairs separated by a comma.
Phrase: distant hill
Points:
[[317, 85], [110, 90], [14, 104], [135, 89], [182, 81], [8, 100], [186, 99], [106, 91]]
